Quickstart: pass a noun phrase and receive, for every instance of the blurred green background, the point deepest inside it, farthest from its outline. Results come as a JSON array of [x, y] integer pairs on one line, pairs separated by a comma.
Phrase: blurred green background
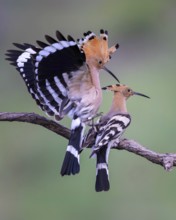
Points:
[[31, 156]]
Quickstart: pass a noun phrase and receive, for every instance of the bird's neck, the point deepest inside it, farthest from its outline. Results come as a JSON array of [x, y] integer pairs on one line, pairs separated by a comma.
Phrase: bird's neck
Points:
[[118, 104], [94, 72]]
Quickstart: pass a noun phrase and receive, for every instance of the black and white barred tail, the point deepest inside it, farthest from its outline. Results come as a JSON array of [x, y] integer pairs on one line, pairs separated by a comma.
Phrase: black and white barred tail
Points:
[[102, 172], [71, 163]]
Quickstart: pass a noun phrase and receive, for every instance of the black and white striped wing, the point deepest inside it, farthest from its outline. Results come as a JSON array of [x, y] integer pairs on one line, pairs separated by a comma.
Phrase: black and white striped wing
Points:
[[55, 65], [112, 130], [22, 60], [47, 70]]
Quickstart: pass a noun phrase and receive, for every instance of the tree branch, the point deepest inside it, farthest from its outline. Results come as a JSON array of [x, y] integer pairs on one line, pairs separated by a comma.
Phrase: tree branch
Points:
[[167, 160], [36, 119]]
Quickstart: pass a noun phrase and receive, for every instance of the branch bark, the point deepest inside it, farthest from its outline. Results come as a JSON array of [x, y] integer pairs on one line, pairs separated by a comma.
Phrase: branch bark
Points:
[[36, 119], [167, 160]]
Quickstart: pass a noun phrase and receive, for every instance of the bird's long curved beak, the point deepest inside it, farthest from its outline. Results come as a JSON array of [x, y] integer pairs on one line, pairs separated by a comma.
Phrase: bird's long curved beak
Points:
[[112, 74], [140, 94]]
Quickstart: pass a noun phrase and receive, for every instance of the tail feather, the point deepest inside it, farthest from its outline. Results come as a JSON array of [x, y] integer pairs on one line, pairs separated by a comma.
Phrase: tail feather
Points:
[[102, 181], [71, 163], [102, 172]]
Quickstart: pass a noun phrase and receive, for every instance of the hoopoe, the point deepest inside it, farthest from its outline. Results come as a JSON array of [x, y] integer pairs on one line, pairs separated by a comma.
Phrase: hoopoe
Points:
[[110, 127], [63, 77]]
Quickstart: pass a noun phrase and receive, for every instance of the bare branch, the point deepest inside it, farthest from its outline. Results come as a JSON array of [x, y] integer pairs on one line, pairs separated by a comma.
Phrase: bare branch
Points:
[[167, 160], [36, 119]]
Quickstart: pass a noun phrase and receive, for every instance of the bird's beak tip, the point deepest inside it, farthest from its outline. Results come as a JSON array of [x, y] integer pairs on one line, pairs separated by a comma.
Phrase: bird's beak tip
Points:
[[140, 94]]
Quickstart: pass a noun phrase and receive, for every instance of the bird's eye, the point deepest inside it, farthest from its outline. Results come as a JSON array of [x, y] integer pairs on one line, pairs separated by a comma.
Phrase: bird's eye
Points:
[[100, 62], [129, 90]]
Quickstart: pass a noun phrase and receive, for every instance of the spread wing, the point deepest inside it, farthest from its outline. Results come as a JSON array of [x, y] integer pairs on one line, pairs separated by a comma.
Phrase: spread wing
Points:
[[48, 69]]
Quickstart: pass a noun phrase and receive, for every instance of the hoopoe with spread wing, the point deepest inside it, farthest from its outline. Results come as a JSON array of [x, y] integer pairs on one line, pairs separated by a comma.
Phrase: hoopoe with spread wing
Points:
[[109, 131], [63, 77]]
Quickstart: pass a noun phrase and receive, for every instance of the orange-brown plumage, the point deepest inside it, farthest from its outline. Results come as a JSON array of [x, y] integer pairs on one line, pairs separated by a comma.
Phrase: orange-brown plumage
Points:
[[96, 49]]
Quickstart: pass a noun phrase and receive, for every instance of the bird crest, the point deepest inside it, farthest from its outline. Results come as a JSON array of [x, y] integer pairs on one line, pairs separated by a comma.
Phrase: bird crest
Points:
[[96, 47]]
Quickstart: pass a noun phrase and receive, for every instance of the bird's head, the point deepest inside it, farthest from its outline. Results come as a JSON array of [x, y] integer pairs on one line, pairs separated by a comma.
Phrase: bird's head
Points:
[[96, 50], [124, 90]]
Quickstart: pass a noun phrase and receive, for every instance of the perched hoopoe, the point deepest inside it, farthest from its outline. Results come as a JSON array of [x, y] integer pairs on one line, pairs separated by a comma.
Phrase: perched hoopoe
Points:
[[110, 128], [63, 78]]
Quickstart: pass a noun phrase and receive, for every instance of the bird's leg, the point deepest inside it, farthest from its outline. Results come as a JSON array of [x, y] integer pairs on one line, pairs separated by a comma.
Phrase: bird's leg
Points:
[[91, 122], [89, 138]]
